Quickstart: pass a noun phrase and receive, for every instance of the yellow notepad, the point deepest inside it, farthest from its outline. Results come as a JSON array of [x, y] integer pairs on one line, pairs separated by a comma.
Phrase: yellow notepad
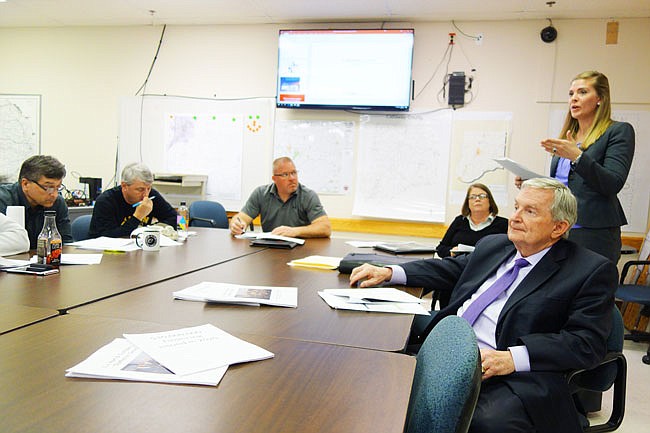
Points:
[[319, 262]]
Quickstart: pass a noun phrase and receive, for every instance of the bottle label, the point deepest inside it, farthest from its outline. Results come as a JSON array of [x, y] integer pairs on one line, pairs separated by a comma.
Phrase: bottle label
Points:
[[54, 258], [41, 251], [181, 222]]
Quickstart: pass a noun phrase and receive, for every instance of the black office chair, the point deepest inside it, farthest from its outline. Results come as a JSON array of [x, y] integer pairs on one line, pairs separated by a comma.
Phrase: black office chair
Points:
[[205, 213], [636, 288], [612, 371], [80, 227], [447, 380]]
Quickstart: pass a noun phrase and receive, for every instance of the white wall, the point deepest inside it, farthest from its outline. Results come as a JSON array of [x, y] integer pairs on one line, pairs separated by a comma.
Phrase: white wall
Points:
[[82, 72]]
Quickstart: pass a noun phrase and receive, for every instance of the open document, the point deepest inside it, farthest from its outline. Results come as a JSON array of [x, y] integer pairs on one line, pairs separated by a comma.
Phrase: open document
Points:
[[198, 355], [199, 348], [517, 169], [318, 262], [269, 236], [123, 361], [237, 294], [381, 300]]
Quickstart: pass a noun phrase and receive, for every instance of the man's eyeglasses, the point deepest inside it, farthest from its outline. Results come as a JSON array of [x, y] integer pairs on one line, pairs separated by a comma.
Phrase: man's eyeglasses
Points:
[[49, 189], [477, 196], [286, 175]]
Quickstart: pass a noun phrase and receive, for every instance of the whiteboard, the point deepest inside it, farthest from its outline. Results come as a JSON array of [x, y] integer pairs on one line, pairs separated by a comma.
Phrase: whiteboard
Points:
[[635, 196], [20, 132], [231, 141], [403, 165]]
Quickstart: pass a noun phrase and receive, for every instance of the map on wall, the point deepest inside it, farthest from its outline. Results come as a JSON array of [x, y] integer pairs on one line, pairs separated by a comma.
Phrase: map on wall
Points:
[[321, 150], [477, 138], [20, 126], [217, 139], [403, 165]]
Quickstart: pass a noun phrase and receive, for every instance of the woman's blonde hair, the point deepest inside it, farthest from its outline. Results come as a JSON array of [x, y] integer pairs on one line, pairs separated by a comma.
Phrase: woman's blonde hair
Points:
[[603, 111]]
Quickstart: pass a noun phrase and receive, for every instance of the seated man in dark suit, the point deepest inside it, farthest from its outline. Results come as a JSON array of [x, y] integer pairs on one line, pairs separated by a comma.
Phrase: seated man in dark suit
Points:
[[552, 315], [120, 210]]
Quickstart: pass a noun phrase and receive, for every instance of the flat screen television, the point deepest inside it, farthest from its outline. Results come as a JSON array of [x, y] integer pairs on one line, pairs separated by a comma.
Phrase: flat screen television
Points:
[[345, 69]]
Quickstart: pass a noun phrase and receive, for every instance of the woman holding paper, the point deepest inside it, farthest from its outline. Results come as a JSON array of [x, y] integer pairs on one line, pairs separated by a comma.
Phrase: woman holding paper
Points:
[[593, 156]]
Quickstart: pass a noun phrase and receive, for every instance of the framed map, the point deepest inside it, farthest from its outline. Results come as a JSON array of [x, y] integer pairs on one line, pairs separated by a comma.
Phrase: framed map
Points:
[[20, 132]]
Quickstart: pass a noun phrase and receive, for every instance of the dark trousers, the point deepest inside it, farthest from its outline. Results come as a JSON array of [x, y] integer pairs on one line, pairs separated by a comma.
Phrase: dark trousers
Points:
[[499, 410]]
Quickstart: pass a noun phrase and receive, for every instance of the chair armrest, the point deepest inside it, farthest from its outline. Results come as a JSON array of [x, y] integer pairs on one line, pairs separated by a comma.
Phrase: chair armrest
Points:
[[212, 222], [619, 382], [628, 265]]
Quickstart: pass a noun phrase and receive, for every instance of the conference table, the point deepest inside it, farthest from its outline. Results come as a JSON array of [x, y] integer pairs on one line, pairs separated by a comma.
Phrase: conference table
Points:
[[307, 387], [333, 370], [313, 319], [16, 316], [119, 272]]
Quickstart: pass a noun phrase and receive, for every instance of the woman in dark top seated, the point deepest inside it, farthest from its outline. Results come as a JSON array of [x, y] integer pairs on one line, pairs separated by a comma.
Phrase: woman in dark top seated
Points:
[[478, 218]]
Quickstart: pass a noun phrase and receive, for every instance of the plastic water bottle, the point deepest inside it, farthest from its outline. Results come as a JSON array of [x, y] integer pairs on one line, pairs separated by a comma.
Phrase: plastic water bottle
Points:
[[49, 243], [183, 219]]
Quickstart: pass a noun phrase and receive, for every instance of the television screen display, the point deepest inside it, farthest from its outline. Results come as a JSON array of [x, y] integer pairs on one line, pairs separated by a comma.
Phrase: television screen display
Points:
[[345, 69]]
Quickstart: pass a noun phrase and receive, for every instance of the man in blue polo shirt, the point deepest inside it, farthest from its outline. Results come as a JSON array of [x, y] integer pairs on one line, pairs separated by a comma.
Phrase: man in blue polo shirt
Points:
[[287, 208], [37, 190]]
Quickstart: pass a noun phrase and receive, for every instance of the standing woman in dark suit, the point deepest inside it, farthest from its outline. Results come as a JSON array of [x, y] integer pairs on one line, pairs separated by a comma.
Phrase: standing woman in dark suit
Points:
[[593, 157]]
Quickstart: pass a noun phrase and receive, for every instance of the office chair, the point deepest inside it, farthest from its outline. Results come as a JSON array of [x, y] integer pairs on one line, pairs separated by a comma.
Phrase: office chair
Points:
[[80, 227], [636, 289], [612, 371], [447, 380], [205, 213]]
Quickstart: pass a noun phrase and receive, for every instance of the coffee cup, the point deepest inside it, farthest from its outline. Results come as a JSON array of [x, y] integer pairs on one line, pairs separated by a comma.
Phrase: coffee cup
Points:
[[148, 239]]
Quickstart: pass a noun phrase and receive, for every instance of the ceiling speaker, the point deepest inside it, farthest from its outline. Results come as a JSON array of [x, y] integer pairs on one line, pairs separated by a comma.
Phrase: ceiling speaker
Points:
[[548, 34]]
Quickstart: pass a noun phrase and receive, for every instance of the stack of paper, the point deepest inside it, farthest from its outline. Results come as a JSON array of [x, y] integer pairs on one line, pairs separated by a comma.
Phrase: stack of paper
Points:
[[267, 235], [198, 355], [462, 249], [243, 295], [381, 300], [319, 262], [118, 244], [76, 259]]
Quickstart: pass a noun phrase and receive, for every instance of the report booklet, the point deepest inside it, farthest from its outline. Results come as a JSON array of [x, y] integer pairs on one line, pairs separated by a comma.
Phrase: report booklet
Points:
[[227, 293], [378, 300], [122, 360], [199, 348], [196, 355]]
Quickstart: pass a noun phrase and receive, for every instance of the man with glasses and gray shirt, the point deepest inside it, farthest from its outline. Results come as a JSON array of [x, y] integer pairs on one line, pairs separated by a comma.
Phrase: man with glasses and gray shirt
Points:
[[286, 207], [39, 182]]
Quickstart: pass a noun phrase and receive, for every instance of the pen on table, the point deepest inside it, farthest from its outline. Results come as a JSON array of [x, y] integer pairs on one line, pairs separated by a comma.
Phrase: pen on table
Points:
[[139, 203], [113, 252]]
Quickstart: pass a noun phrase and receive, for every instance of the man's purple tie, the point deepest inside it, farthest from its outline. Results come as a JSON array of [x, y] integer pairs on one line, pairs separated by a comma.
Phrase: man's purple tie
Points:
[[498, 287]]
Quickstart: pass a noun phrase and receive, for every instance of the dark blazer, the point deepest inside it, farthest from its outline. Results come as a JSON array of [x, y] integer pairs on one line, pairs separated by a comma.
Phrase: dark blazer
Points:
[[561, 311], [599, 175]]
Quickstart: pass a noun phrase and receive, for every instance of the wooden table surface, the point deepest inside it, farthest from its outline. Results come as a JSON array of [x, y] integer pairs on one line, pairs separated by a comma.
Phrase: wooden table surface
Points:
[[118, 273], [307, 387], [313, 320], [16, 316]]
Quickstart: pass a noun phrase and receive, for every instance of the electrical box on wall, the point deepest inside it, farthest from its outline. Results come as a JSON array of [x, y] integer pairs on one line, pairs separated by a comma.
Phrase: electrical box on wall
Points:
[[456, 89]]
